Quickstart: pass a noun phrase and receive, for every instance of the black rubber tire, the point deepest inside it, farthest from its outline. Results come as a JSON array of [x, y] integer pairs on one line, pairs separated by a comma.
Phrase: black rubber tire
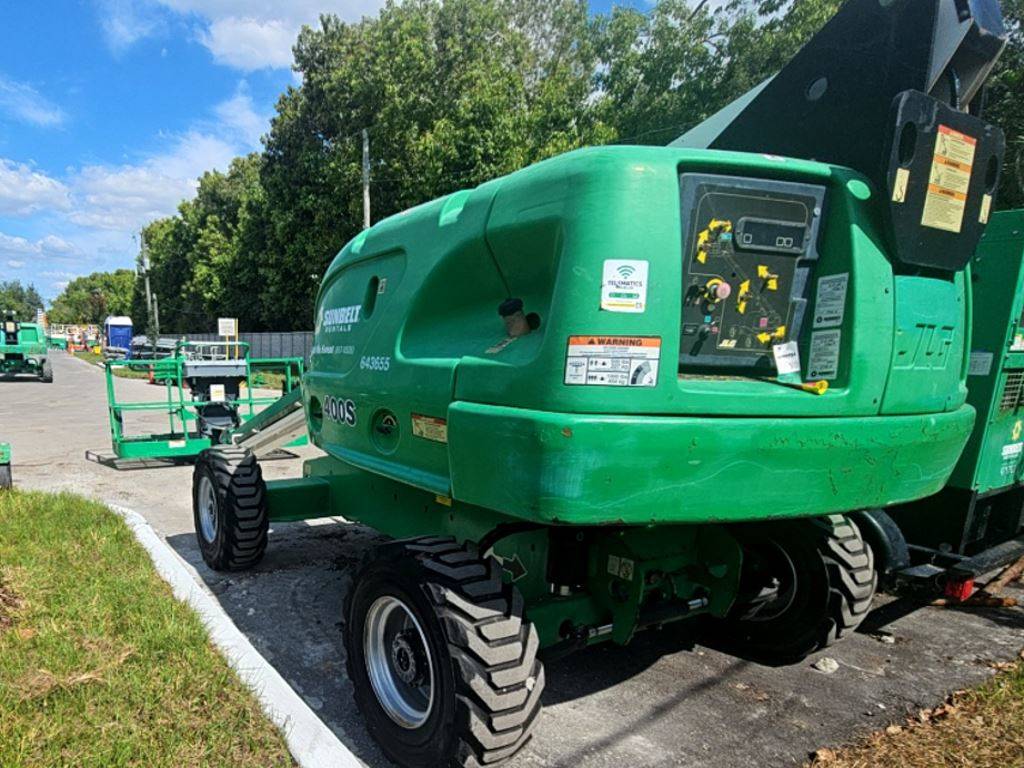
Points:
[[6, 482], [241, 500], [836, 581], [488, 680], [47, 372]]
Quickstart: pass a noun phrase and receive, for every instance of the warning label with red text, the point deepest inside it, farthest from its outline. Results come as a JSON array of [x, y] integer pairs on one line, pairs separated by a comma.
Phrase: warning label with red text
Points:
[[613, 361]]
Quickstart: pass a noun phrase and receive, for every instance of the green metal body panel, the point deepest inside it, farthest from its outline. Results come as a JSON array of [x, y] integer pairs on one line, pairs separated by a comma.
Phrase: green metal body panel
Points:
[[57, 342], [182, 438], [28, 355], [407, 328], [993, 457], [5, 453]]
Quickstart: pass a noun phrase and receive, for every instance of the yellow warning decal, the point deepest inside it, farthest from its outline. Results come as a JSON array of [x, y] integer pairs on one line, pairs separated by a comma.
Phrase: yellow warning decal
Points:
[[949, 180]]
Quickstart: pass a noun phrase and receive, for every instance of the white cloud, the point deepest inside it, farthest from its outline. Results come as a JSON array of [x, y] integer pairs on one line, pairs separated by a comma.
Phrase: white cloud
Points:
[[24, 103], [249, 44], [24, 191], [50, 246], [126, 197], [125, 22], [239, 116], [244, 34]]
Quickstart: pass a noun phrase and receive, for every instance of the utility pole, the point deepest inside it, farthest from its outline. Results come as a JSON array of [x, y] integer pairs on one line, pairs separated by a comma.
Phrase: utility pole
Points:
[[145, 274], [152, 309], [366, 179]]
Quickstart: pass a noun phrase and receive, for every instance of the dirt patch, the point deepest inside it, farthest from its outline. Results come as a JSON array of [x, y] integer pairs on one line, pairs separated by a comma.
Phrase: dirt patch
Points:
[[9, 604]]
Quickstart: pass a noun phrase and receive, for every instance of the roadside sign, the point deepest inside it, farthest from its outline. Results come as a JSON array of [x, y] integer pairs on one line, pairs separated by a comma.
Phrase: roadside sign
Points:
[[227, 326]]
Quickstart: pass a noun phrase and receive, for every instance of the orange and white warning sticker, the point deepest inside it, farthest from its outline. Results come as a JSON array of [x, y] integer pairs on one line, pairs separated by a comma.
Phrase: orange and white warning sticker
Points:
[[950, 180], [613, 361]]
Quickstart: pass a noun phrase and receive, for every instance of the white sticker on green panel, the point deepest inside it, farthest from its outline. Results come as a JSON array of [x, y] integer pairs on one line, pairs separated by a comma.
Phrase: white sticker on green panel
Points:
[[830, 305], [624, 286], [823, 358]]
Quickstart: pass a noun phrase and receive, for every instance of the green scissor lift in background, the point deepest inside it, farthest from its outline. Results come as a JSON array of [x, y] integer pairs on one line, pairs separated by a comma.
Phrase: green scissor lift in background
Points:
[[5, 466], [204, 399], [24, 350]]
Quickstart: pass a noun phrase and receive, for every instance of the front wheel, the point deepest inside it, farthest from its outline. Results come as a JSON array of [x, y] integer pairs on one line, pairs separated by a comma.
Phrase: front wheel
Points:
[[229, 508], [805, 585], [46, 375], [443, 663]]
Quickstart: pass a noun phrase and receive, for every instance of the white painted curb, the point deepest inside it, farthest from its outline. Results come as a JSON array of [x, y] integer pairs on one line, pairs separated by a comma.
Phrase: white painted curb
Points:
[[312, 744]]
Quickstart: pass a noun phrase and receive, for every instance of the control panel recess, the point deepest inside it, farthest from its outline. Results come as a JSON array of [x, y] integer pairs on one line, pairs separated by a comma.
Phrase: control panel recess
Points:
[[749, 247]]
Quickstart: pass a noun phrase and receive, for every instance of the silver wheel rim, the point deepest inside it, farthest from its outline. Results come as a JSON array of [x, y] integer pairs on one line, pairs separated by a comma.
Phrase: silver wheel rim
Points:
[[207, 509], [398, 662], [786, 596]]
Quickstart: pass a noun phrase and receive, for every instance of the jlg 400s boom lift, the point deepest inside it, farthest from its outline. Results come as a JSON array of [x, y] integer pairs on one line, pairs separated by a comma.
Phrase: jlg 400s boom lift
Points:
[[632, 385]]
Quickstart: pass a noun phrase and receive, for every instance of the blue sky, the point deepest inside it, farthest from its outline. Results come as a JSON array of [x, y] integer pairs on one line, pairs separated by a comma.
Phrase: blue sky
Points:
[[110, 110]]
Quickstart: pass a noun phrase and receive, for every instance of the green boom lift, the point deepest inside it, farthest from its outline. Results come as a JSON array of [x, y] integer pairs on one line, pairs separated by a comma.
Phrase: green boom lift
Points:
[[204, 400], [23, 349], [703, 357]]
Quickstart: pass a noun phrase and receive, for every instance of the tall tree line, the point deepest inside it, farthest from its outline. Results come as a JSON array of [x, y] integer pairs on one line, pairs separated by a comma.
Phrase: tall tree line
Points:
[[454, 93]]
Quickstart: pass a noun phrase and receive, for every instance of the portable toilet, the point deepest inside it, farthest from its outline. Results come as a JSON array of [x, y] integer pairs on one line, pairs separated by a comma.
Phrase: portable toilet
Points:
[[117, 332]]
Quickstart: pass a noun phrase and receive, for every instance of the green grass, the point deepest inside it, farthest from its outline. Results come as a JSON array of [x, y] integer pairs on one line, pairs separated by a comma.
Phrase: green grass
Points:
[[122, 373], [979, 728], [99, 664]]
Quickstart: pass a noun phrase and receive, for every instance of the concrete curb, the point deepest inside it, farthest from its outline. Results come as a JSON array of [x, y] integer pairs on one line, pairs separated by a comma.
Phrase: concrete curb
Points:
[[312, 744]]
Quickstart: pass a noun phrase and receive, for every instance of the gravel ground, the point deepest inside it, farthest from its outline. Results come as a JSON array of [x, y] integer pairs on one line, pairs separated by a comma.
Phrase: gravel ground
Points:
[[664, 701]]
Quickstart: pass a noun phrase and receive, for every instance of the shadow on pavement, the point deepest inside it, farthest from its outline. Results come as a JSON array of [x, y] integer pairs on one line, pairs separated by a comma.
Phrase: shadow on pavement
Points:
[[290, 609]]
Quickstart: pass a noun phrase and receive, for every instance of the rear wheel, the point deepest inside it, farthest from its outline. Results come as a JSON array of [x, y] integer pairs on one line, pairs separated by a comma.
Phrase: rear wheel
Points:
[[805, 585], [229, 508], [443, 663], [5, 477]]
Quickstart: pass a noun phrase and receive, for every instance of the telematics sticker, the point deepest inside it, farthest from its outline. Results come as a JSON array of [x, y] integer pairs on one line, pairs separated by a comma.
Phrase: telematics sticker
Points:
[[613, 361], [949, 181], [624, 286], [823, 358], [830, 304]]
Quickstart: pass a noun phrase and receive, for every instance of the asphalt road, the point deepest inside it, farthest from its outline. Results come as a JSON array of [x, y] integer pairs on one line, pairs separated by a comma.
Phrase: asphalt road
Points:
[[663, 701]]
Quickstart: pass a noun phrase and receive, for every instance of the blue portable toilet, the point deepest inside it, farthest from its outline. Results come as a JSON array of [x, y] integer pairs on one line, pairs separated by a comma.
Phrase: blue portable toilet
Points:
[[117, 332]]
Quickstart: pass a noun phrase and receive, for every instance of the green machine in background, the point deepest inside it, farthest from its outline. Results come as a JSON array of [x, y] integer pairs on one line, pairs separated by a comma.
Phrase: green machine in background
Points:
[[209, 396], [976, 523], [5, 466], [630, 386], [23, 350]]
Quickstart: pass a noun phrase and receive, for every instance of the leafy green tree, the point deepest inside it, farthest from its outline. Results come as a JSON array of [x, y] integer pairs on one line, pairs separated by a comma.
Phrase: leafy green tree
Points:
[[1006, 107], [93, 298], [22, 300], [453, 94], [456, 93]]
